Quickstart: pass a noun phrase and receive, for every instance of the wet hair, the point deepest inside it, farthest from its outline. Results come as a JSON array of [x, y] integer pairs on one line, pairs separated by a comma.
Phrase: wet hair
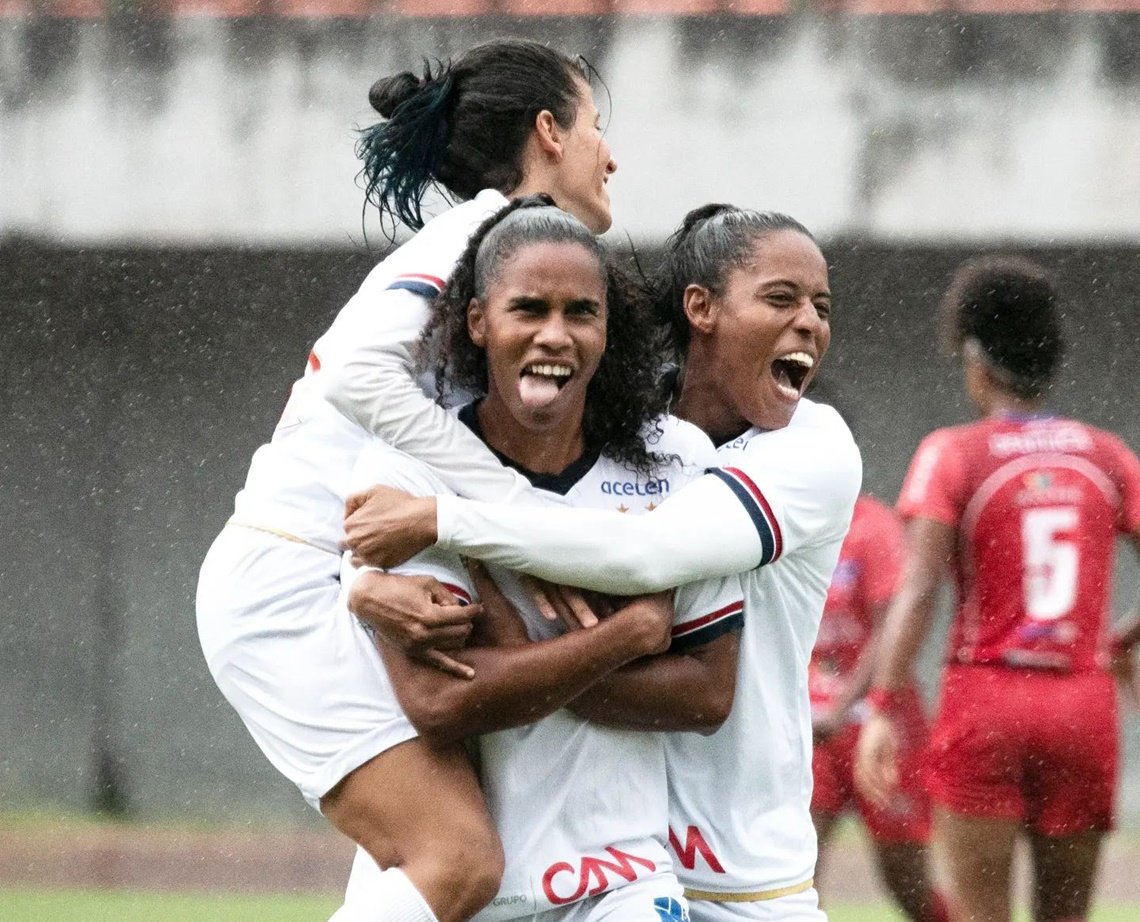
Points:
[[462, 124], [711, 241], [623, 396], [1007, 305]]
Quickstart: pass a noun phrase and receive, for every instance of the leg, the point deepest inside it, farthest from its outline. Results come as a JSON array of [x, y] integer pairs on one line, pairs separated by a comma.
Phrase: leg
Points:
[[978, 852], [904, 867], [420, 809], [1064, 868]]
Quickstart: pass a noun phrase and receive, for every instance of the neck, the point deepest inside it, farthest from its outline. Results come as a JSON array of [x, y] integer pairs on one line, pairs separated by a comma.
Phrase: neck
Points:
[[1005, 404], [545, 451], [702, 403]]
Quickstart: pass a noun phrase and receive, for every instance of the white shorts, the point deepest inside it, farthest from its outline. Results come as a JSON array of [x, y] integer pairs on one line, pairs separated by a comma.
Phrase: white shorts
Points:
[[656, 898], [297, 667], [659, 898], [798, 907]]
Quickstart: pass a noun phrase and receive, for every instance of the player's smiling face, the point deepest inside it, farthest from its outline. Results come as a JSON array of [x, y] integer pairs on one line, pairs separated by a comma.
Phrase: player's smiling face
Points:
[[770, 328], [542, 324]]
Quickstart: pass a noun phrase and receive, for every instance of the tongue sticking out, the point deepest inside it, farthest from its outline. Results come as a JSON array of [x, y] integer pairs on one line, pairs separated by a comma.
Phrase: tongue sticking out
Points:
[[537, 391]]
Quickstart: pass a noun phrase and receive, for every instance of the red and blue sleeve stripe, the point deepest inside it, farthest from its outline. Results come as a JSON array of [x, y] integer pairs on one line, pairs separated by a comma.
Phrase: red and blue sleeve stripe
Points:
[[462, 596], [426, 286], [700, 631], [758, 509]]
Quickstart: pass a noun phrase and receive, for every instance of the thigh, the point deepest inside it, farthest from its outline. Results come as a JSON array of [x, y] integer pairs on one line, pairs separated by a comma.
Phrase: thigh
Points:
[[830, 792], [906, 820], [1064, 869], [413, 802], [978, 855], [298, 668]]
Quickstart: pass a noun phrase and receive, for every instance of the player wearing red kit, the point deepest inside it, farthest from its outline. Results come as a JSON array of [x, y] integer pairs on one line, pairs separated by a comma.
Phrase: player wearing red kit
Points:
[[865, 580], [1025, 508]]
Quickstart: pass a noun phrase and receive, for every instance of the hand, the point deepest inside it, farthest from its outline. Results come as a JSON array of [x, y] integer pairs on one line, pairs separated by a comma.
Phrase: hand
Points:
[[384, 527], [876, 760], [560, 602], [652, 615], [418, 614], [500, 625]]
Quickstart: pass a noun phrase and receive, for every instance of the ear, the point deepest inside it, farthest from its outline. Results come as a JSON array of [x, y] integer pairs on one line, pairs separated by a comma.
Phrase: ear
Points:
[[549, 135], [477, 323], [700, 307]]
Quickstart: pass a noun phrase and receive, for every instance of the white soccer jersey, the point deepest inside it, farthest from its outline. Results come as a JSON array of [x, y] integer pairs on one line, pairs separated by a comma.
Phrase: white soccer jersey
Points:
[[581, 807], [363, 364], [778, 508]]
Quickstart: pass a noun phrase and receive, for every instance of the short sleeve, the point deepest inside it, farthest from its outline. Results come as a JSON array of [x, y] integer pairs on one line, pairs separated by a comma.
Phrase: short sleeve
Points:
[[706, 610], [934, 481]]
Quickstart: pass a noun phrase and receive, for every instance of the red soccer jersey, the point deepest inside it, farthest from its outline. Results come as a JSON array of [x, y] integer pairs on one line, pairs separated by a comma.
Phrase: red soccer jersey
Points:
[[1037, 503], [867, 575]]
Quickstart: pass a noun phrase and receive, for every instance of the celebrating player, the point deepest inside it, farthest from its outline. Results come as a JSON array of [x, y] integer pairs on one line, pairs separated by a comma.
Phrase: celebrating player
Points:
[[560, 354], [1024, 507], [505, 119], [865, 580], [749, 304]]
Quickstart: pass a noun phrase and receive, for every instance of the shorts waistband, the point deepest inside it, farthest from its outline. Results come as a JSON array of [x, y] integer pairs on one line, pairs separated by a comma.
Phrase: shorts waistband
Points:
[[755, 896], [284, 536]]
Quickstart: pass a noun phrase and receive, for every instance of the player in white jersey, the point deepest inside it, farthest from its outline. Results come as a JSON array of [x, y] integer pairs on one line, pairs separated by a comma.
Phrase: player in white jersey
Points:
[[510, 118], [534, 321], [749, 302]]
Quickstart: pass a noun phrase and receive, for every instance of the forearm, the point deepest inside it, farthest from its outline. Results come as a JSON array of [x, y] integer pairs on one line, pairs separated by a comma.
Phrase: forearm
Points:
[[512, 685], [699, 533], [672, 691], [375, 387], [907, 623]]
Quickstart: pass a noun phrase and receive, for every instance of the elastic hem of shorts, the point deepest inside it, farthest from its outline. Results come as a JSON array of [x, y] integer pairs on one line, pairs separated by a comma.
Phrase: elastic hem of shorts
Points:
[[284, 536], [755, 896], [348, 761]]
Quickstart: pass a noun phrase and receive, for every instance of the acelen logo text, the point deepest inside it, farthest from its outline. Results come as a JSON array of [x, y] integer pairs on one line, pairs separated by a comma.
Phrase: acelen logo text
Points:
[[563, 883]]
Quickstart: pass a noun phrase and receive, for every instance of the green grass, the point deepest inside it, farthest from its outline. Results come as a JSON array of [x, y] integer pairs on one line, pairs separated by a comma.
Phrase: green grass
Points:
[[19, 905], [25, 905]]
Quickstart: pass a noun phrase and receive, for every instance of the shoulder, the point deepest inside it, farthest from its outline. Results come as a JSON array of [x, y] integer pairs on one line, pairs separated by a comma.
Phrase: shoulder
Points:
[[817, 443], [429, 256], [679, 441]]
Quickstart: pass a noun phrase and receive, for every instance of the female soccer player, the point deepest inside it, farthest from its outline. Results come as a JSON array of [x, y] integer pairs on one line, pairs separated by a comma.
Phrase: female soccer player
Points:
[[1024, 508], [749, 304], [560, 355], [505, 119]]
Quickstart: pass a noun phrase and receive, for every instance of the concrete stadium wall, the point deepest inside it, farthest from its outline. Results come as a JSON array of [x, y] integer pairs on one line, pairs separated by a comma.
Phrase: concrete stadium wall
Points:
[[931, 127], [139, 382]]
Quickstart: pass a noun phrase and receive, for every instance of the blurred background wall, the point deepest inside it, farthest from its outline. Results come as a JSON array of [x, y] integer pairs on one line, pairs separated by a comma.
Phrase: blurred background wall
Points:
[[179, 220]]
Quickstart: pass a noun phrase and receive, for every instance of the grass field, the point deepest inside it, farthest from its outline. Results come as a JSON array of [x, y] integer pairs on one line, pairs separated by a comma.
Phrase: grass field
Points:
[[20, 905]]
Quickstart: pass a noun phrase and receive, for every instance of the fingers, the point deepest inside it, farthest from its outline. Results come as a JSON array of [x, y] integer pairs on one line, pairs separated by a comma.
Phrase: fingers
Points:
[[560, 603], [579, 608], [537, 590], [447, 664], [354, 502]]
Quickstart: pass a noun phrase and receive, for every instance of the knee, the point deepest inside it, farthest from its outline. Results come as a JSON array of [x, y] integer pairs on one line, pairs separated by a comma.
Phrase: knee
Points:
[[470, 869]]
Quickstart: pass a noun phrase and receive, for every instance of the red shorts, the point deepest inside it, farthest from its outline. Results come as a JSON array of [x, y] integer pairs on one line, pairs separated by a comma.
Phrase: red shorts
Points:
[[1026, 745], [908, 817]]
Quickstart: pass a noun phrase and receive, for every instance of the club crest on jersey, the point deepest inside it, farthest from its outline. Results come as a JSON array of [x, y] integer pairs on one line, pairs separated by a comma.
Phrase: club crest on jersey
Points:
[[564, 883]]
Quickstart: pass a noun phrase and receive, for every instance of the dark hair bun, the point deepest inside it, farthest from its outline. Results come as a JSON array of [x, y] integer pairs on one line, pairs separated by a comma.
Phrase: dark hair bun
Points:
[[389, 93]]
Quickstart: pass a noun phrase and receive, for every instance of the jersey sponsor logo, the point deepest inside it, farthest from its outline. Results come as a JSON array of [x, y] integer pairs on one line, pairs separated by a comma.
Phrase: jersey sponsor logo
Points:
[[1060, 439], [695, 844], [564, 883], [657, 487]]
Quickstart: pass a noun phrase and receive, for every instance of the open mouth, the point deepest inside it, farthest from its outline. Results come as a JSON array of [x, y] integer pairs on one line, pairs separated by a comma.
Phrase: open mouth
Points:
[[539, 384], [791, 373]]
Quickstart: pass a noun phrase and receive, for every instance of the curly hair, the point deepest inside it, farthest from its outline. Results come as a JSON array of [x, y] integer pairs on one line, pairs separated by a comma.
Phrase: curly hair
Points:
[[623, 398], [1007, 306]]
